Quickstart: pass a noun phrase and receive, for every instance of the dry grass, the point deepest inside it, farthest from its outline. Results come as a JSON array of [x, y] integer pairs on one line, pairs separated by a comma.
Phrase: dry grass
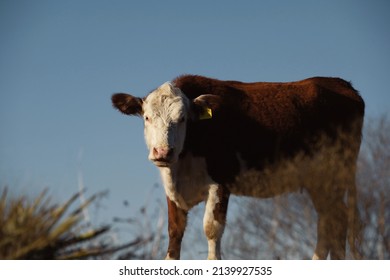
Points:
[[40, 229]]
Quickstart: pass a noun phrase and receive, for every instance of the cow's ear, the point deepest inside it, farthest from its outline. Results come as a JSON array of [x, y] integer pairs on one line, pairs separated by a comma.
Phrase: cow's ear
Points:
[[127, 104], [204, 106]]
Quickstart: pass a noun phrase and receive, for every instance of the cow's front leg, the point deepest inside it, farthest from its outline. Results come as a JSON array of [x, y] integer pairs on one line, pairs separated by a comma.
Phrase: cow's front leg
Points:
[[215, 219], [177, 220]]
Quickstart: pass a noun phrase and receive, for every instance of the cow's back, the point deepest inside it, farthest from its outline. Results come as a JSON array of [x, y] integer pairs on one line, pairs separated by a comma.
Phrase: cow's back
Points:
[[281, 106]]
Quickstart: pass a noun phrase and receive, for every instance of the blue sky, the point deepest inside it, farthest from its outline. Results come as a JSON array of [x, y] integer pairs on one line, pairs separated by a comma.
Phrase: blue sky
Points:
[[60, 61]]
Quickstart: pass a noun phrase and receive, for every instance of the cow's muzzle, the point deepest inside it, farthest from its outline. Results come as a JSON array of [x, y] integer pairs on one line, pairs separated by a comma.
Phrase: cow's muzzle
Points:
[[162, 156]]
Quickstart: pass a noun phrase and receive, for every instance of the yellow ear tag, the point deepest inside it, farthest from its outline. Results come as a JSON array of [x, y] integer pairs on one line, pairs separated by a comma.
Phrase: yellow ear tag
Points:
[[206, 114]]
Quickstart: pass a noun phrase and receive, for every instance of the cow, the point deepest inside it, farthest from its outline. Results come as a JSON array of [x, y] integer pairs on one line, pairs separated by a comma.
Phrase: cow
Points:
[[211, 138]]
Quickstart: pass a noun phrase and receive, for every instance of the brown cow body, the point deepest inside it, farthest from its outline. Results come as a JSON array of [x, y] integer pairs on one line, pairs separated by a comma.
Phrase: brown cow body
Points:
[[254, 127]]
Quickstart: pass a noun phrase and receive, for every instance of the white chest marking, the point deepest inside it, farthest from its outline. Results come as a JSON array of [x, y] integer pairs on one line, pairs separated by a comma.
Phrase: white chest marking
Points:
[[186, 183]]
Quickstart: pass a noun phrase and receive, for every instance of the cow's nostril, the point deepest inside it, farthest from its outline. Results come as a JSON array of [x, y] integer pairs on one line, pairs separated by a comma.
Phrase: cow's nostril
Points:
[[155, 152], [162, 153]]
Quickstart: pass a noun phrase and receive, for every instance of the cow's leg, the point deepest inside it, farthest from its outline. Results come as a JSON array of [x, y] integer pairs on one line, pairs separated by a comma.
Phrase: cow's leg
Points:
[[332, 225], [215, 219], [322, 247], [177, 220], [338, 236]]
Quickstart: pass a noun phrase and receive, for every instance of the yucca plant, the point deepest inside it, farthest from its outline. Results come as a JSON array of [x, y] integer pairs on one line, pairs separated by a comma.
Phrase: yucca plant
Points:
[[39, 229]]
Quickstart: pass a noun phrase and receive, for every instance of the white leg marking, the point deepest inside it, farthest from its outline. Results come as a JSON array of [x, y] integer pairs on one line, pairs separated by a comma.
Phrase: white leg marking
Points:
[[168, 257], [213, 229], [214, 249], [315, 257], [320, 253]]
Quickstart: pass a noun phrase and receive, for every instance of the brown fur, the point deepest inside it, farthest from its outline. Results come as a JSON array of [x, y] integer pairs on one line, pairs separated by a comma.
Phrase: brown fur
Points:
[[177, 220]]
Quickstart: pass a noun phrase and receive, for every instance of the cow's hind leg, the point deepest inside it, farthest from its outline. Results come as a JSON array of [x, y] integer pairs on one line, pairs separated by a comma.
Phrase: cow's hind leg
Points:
[[322, 247], [338, 236], [215, 219], [177, 220], [332, 226]]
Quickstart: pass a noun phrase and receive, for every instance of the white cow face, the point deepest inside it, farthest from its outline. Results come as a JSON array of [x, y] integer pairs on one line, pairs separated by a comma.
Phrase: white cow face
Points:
[[165, 112]]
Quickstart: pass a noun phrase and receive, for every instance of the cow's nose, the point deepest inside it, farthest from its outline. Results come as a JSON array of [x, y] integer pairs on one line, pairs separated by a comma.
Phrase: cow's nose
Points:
[[162, 153]]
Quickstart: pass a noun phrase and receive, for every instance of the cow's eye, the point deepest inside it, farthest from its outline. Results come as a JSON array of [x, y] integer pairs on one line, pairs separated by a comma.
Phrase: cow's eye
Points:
[[147, 119]]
